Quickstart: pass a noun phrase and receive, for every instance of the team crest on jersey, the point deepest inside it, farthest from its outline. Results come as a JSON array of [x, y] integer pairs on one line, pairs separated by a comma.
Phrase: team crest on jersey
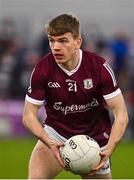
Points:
[[88, 83]]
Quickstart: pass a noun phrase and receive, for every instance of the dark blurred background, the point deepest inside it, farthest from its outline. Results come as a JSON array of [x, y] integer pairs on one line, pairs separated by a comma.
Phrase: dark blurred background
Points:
[[107, 29]]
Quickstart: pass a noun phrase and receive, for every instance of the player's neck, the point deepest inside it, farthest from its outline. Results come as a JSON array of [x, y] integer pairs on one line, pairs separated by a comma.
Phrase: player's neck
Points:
[[72, 63]]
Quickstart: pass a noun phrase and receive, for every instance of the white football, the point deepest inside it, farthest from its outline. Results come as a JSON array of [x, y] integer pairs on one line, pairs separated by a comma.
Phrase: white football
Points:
[[80, 154]]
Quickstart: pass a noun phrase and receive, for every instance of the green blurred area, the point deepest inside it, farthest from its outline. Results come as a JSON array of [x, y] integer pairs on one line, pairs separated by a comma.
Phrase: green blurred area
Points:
[[15, 154]]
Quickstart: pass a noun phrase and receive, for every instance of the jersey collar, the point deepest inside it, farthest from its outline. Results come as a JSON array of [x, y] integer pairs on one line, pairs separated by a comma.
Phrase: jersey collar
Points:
[[69, 73]]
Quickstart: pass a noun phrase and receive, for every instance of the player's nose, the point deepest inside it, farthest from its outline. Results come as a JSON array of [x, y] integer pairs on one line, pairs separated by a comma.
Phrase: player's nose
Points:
[[56, 46]]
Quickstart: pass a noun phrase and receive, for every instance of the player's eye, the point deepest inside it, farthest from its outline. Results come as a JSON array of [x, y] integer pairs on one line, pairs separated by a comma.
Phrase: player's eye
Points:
[[51, 40], [63, 41]]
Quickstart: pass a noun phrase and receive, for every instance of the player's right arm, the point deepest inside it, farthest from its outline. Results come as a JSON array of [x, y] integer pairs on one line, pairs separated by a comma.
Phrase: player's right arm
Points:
[[35, 98], [30, 120]]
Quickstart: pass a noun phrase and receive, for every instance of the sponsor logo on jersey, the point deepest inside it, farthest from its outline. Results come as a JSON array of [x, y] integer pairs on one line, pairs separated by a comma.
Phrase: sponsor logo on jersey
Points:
[[53, 85], [74, 108], [88, 83]]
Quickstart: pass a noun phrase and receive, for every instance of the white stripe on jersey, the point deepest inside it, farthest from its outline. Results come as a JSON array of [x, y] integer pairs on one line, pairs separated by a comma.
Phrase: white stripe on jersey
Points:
[[30, 89], [34, 101], [69, 73], [107, 66], [113, 94]]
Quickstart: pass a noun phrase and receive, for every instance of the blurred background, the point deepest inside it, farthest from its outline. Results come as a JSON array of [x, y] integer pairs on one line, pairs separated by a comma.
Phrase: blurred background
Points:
[[107, 29]]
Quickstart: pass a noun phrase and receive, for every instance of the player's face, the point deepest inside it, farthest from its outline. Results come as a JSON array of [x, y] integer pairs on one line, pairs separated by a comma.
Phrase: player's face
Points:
[[64, 47]]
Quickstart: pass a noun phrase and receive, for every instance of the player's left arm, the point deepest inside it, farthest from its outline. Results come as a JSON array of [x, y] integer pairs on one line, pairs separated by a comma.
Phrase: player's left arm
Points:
[[118, 107]]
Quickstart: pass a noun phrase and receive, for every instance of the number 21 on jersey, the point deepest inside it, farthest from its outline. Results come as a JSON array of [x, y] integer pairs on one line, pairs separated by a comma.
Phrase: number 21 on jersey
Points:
[[72, 86]]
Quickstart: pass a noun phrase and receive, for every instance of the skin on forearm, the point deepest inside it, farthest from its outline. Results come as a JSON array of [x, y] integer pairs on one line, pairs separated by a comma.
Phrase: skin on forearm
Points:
[[35, 128], [119, 110], [30, 120], [118, 129]]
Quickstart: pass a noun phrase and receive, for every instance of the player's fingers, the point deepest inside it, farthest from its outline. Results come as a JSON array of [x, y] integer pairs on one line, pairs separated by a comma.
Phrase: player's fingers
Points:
[[100, 165], [95, 169], [91, 173], [60, 159], [57, 155]]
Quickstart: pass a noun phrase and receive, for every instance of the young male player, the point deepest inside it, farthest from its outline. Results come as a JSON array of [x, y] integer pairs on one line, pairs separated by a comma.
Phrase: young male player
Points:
[[77, 88]]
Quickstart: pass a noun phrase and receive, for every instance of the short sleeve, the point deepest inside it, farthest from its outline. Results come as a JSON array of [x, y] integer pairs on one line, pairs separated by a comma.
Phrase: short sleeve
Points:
[[36, 91], [108, 81]]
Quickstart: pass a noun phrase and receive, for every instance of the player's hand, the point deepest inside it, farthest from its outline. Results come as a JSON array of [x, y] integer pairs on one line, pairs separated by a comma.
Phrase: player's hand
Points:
[[55, 148], [105, 154], [65, 166]]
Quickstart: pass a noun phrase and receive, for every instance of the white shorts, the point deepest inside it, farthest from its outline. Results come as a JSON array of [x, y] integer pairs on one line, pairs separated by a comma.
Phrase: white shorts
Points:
[[55, 135]]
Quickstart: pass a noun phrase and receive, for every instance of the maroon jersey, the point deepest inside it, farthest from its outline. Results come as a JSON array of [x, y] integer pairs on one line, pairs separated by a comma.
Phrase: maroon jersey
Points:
[[74, 99]]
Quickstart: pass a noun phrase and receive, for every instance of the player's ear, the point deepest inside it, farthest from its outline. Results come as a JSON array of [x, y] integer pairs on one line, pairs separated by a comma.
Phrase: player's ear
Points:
[[78, 43]]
